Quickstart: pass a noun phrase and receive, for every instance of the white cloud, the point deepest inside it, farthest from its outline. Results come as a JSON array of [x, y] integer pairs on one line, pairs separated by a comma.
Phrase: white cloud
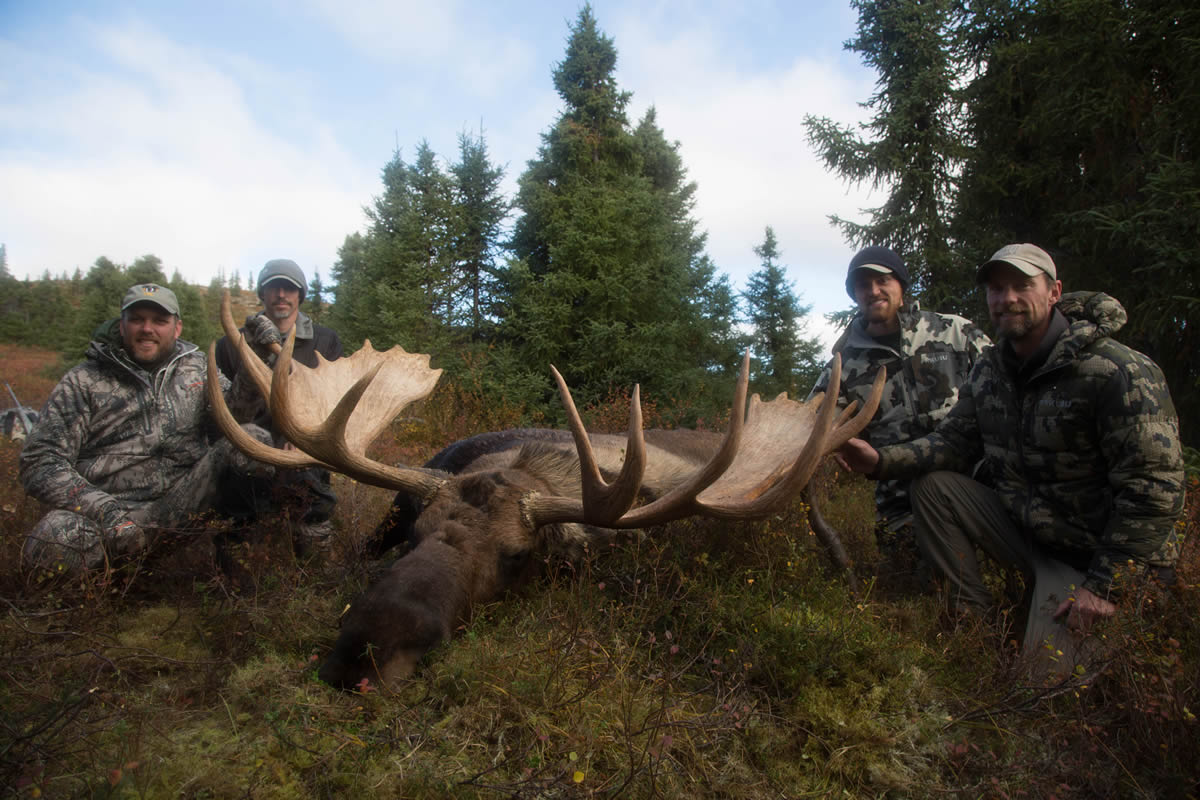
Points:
[[743, 140], [159, 151]]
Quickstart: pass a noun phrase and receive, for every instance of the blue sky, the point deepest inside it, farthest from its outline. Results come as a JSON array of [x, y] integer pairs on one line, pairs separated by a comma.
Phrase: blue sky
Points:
[[218, 135]]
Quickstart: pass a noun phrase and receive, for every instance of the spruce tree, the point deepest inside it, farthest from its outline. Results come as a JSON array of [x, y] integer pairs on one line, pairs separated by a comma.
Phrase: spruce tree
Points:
[[913, 144], [609, 266], [784, 360], [314, 301], [480, 210]]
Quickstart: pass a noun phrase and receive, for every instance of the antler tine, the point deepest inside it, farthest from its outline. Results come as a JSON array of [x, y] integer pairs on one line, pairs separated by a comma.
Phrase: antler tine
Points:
[[252, 365], [847, 427], [291, 459], [777, 491], [603, 504], [677, 503], [681, 501]]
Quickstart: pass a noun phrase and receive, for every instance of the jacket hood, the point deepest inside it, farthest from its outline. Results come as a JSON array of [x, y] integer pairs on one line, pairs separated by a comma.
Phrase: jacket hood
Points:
[[1104, 312], [1091, 316]]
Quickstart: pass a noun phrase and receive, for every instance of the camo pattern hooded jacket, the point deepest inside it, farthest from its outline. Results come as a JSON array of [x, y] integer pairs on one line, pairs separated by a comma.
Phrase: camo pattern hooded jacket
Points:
[[112, 435], [1084, 452], [935, 357]]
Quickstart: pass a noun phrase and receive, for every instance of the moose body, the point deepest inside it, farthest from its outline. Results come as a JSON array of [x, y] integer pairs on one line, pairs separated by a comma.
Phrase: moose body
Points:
[[483, 507], [468, 546]]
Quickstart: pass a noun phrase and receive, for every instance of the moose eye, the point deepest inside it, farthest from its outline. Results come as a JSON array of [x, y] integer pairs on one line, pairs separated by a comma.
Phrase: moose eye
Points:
[[514, 562]]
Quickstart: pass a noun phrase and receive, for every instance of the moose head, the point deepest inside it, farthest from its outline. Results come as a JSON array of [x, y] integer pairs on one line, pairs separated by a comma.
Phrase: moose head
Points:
[[475, 531]]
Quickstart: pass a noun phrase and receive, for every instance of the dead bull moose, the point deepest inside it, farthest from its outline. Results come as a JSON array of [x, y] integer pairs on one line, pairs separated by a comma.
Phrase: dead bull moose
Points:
[[516, 492]]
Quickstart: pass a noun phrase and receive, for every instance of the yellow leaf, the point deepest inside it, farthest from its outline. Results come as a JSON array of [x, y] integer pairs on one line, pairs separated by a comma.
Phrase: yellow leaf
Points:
[[573, 756], [577, 777]]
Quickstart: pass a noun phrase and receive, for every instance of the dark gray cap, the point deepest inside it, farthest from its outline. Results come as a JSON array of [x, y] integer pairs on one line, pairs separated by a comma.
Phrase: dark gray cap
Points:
[[876, 259], [282, 269], [160, 296]]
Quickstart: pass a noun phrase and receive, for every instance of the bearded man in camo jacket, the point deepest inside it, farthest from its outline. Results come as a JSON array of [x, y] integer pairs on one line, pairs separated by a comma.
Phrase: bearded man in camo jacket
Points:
[[927, 357], [122, 442], [1082, 462]]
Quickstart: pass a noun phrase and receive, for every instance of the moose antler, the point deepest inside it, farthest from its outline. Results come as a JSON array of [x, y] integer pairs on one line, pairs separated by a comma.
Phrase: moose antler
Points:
[[332, 427], [767, 456]]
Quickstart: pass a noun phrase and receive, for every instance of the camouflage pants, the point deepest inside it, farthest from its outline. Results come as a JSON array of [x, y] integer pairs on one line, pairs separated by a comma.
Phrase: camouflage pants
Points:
[[953, 515], [65, 541]]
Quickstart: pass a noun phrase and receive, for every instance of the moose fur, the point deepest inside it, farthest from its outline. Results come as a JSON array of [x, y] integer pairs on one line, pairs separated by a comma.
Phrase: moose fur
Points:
[[470, 544]]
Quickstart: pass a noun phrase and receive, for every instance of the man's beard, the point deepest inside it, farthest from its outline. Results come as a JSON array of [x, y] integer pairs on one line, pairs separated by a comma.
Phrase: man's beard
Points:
[[884, 313], [1015, 327], [161, 352]]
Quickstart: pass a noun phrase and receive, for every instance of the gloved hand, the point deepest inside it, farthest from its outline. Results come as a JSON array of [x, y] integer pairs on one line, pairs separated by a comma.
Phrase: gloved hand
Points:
[[261, 333], [125, 539]]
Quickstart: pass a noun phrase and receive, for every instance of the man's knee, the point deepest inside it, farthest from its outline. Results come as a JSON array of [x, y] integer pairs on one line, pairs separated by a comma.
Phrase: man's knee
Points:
[[936, 487], [64, 541]]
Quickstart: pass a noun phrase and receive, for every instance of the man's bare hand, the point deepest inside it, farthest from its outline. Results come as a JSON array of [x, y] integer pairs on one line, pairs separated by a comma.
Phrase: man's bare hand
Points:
[[858, 456], [1083, 609]]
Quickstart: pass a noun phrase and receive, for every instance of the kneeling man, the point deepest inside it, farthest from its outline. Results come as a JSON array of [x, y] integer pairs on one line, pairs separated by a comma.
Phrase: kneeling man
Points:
[[1083, 470], [122, 441]]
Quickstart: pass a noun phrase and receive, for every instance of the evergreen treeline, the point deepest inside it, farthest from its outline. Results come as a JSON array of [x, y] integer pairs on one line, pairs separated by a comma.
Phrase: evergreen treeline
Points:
[[603, 274], [1074, 124], [62, 313]]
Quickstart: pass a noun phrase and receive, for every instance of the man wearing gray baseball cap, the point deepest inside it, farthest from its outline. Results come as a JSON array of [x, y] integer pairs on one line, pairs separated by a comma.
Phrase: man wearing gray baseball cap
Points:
[[121, 447], [1082, 476], [304, 495]]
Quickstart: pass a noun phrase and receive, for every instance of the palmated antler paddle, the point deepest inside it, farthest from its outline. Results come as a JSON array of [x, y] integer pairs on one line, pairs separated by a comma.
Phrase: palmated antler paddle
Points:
[[767, 456], [332, 426]]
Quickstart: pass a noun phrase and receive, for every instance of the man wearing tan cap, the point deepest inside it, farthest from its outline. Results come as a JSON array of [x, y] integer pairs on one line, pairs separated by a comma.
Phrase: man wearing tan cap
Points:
[[1082, 478], [121, 443]]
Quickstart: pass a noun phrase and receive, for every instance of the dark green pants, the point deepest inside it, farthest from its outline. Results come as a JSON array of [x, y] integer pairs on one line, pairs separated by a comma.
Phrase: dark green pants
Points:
[[952, 516]]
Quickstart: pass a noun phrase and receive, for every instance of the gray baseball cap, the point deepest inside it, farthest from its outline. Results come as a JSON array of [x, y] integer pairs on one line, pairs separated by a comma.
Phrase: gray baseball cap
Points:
[[1028, 258], [282, 269], [160, 296]]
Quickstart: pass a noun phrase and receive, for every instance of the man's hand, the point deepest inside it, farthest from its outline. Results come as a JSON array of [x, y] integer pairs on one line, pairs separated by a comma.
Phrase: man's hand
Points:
[[262, 333], [1083, 609], [125, 538], [858, 456]]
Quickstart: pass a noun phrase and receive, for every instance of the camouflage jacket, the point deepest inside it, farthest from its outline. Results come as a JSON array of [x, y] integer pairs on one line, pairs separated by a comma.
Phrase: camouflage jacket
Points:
[[1085, 453], [936, 354], [112, 435]]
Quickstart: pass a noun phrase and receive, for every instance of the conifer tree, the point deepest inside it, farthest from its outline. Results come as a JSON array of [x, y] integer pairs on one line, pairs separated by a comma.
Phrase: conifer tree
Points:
[[784, 361], [314, 301], [480, 210], [609, 267], [913, 144]]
